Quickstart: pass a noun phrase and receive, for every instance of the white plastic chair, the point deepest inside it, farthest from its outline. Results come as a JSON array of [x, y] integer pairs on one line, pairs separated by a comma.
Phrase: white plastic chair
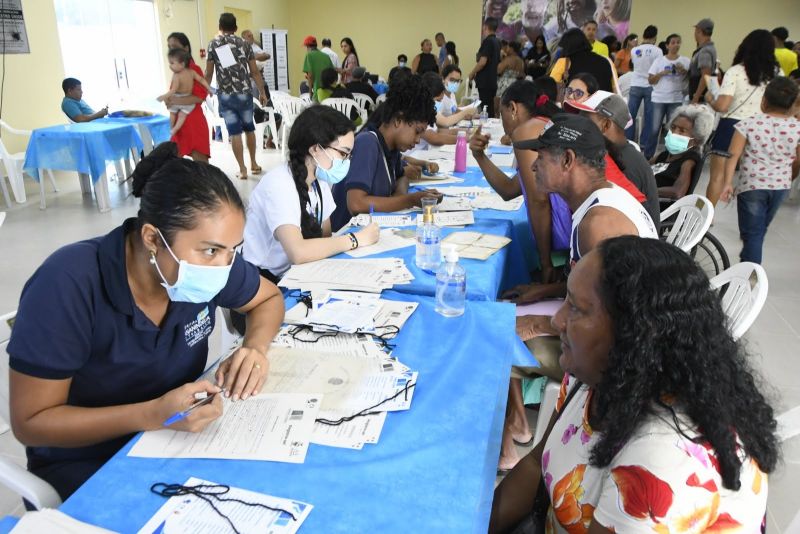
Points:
[[259, 131], [694, 216], [381, 98], [745, 296], [213, 118], [13, 164], [343, 105], [306, 97], [289, 108], [365, 103], [27, 485]]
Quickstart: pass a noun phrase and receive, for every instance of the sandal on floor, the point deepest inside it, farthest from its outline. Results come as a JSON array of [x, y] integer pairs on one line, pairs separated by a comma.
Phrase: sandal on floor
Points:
[[523, 444], [256, 169]]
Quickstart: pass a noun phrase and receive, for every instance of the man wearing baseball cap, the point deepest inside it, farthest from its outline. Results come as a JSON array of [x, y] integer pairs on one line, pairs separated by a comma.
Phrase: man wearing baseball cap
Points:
[[316, 61], [610, 114], [704, 60], [571, 162]]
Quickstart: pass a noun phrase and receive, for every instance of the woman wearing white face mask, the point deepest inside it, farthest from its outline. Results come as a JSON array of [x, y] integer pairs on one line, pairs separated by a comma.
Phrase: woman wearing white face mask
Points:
[[128, 320], [288, 216], [448, 114], [688, 131]]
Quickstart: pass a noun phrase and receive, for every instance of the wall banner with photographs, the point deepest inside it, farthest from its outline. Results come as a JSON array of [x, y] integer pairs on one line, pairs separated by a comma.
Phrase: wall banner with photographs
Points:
[[551, 18]]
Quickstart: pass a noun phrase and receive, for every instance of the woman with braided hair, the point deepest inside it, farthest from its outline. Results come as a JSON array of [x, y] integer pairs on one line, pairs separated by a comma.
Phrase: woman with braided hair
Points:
[[288, 217]]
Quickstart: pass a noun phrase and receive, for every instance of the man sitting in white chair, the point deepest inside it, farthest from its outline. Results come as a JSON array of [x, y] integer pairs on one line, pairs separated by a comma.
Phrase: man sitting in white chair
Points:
[[73, 105]]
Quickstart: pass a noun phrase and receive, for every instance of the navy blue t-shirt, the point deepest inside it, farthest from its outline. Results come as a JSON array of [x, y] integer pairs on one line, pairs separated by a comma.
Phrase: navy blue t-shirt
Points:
[[368, 172], [77, 319]]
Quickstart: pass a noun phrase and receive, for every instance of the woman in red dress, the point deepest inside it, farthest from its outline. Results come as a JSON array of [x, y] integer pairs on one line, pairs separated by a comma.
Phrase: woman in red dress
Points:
[[193, 137]]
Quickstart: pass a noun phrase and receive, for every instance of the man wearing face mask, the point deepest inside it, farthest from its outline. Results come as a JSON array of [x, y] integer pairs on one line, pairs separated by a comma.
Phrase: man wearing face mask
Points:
[[289, 211], [402, 65], [128, 320]]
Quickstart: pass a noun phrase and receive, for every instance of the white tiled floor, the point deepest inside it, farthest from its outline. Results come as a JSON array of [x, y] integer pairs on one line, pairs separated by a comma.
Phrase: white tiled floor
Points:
[[29, 235]]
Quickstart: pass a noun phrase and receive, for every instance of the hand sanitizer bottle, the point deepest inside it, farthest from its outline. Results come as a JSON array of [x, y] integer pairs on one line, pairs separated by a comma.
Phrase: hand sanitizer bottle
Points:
[[429, 237], [451, 286], [484, 117]]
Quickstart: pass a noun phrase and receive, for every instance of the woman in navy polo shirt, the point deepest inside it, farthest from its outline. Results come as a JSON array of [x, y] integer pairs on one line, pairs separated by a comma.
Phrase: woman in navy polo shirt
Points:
[[111, 332], [376, 178]]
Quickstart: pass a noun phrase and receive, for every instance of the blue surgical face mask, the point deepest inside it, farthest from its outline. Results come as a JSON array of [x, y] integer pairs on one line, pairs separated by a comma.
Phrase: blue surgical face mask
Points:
[[401, 64], [337, 172], [676, 144], [195, 283], [452, 87], [438, 105]]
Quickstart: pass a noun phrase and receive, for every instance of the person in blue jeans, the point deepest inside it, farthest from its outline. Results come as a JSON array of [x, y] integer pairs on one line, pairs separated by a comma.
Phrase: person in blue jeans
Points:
[[768, 145], [641, 91], [668, 76]]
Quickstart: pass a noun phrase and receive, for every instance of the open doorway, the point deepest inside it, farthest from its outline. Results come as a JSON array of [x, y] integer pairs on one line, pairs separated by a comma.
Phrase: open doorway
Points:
[[114, 48]]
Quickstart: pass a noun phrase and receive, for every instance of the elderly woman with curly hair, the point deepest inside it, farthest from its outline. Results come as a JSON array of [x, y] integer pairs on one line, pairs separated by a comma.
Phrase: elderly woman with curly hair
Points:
[[687, 135], [660, 425]]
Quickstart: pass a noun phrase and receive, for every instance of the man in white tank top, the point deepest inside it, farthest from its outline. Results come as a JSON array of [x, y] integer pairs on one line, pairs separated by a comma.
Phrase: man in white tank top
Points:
[[571, 162]]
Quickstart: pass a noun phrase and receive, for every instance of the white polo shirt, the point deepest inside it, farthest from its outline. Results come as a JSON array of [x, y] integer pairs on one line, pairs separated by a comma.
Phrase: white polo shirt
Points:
[[274, 203]]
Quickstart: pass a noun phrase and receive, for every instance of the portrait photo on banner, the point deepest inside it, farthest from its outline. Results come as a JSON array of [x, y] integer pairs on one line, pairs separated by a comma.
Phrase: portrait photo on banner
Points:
[[551, 18]]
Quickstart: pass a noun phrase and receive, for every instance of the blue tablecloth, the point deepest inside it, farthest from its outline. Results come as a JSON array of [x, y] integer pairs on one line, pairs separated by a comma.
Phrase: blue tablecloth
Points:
[[522, 238], [157, 125], [83, 147], [432, 470], [485, 278]]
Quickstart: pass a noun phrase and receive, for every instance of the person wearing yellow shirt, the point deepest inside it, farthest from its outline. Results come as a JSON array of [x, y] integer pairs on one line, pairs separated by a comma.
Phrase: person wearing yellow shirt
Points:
[[787, 59], [590, 31]]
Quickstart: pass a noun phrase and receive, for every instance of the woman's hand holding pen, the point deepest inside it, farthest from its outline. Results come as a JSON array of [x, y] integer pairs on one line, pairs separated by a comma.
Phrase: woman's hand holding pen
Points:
[[180, 400]]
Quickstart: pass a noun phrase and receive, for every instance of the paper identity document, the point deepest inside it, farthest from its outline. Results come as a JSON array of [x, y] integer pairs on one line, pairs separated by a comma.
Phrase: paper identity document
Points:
[[476, 245], [189, 513], [270, 426]]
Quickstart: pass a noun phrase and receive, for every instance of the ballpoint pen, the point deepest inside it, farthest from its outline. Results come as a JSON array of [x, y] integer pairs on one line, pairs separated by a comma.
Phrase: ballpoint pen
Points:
[[178, 416], [371, 212]]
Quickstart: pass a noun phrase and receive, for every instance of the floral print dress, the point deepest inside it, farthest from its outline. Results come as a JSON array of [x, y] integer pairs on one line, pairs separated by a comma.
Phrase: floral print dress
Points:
[[659, 482]]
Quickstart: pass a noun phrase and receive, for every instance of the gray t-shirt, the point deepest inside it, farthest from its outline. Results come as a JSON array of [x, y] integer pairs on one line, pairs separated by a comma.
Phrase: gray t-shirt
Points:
[[639, 172], [705, 57]]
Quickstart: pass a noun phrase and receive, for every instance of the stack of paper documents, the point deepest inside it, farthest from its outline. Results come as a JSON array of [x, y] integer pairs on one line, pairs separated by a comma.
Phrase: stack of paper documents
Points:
[[476, 245], [389, 239], [49, 520], [274, 427], [437, 179], [451, 218], [464, 191], [384, 221], [495, 202], [189, 513], [347, 386], [387, 317], [371, 275]]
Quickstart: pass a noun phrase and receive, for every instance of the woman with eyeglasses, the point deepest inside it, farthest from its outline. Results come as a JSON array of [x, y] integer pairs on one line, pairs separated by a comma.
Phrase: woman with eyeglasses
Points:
[[288, 216], [581, 87]]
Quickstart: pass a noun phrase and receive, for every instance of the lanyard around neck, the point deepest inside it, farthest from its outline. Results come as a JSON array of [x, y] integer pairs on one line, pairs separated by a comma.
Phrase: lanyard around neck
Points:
[[318, 208], [389, 175]]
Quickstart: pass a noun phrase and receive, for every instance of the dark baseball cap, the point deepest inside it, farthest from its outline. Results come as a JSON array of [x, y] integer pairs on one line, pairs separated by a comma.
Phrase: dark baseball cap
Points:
[[568, 131], [606, 104], [707, 25]]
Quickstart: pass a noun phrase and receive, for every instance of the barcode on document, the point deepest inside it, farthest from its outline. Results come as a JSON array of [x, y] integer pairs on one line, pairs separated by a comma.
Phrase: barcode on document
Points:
[[296, 415], [388, 367]]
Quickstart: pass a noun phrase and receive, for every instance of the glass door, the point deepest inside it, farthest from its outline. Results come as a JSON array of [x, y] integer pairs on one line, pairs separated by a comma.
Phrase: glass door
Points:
[[113, 47]]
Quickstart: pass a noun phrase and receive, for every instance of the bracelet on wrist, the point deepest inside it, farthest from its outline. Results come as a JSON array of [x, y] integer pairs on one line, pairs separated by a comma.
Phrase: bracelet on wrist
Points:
[[353, 241]]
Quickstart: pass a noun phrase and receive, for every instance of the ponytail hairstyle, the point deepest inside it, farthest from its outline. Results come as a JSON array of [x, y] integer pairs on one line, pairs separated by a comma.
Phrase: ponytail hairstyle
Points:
[[531, 97], [316, 125], [174, 192]]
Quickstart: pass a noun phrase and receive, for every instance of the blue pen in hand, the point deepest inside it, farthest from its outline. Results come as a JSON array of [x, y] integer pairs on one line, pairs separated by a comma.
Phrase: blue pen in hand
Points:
[[179, 416]]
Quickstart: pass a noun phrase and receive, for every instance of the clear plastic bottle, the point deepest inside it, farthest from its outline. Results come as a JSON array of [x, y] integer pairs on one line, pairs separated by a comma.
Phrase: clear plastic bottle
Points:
[[429, 238], [451, 286], [484, 116]]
